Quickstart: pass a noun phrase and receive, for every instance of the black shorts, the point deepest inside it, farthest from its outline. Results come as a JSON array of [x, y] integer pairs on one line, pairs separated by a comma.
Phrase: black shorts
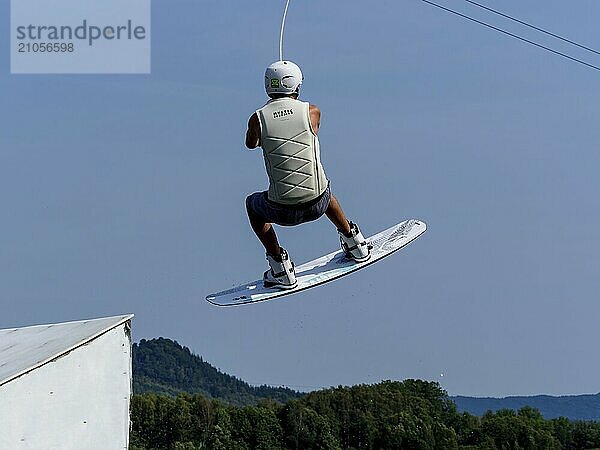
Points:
[[260, 207]]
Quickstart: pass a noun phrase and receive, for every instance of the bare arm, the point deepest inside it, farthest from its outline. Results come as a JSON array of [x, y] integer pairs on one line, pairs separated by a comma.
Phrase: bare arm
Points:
[[315, 118], [253, 132]]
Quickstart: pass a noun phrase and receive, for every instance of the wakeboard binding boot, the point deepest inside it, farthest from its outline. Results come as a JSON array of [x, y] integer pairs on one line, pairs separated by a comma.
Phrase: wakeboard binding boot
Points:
[[281, 274], [354, 245]]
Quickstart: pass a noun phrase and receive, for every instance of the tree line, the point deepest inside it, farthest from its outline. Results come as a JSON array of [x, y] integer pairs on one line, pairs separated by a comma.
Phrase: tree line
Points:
[[412, 414]]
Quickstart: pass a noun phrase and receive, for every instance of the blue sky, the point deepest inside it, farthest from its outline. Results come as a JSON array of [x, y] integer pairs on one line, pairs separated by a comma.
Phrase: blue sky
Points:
[[125, 194]]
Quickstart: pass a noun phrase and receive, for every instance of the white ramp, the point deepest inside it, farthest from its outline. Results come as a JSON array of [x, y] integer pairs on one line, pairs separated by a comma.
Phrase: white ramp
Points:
[[66, 386]]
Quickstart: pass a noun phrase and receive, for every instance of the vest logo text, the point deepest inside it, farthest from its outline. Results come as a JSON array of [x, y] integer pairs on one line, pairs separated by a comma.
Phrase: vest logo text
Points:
[[282, 113]]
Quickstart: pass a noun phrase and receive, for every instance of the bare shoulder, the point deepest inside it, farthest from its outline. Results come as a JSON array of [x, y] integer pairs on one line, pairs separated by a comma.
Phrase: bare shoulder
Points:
[[315, 117], [253, 120], [253, 132]]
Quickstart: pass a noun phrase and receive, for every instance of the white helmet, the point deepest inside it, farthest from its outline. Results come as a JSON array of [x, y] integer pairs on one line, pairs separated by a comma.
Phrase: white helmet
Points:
[[283, 77]]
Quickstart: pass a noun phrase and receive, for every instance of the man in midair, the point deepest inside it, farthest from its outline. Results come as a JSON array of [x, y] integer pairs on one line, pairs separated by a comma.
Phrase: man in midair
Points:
[[287, 130]]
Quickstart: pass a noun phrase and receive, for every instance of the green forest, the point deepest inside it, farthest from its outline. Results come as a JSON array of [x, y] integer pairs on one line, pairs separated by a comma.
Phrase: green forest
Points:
[[183, 403], [163, 366], [411, 414]]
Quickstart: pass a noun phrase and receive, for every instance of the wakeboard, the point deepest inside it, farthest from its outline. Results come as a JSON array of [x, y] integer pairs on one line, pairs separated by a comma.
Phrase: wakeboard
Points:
[[324, 269]]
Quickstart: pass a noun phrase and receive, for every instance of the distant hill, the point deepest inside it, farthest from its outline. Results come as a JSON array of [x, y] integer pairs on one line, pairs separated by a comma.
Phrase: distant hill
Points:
[[163, 366], [574, 407]]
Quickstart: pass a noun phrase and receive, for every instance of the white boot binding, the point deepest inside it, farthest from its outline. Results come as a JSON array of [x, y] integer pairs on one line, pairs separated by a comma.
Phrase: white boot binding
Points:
[[355, 246], [281, 273]]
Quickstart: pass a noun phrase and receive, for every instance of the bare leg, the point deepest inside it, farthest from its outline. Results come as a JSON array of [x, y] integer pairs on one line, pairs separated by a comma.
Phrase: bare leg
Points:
[[266, 235], [336, 215]]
